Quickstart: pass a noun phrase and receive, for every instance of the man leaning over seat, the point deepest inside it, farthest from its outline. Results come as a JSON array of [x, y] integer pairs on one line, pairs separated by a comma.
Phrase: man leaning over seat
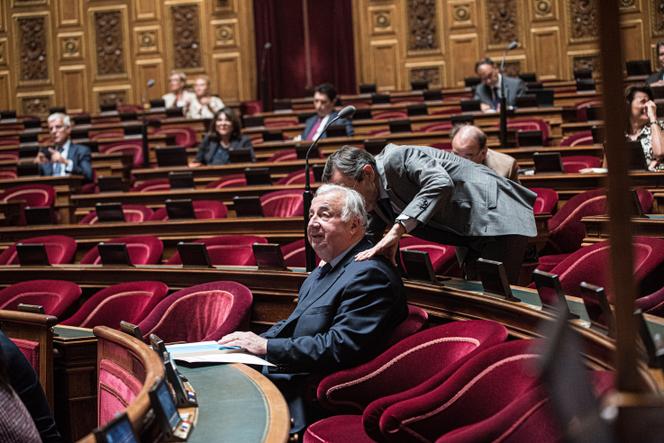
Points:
[[345, 307]]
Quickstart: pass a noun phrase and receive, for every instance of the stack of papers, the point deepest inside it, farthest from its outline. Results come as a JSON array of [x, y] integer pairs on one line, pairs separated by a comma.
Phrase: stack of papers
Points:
[[212, 352]]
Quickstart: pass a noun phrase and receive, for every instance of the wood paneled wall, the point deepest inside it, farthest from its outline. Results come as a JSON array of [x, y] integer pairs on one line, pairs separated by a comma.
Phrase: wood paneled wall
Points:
[[440, 40], [81, 53]]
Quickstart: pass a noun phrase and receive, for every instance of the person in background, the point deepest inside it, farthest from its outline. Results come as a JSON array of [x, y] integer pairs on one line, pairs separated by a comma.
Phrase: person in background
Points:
[[469, 142], [644, 126], [64, 157], [204, 105], [325, 97], [657, 78], [224, 136], [179, 96], [488, 91]]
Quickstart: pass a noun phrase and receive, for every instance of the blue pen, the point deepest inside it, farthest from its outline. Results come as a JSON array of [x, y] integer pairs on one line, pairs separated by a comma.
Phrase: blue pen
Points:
[[230, 348]]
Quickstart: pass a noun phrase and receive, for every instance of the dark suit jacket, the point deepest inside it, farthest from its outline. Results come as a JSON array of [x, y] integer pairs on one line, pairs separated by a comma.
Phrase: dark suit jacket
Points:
[[82, 163], [655, 77], [514, 87], [210, 151], [311, 121]]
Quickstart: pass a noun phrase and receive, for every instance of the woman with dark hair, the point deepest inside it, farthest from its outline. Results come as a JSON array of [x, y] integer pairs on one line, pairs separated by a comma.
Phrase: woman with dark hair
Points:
[[224, 136], [644, 126]]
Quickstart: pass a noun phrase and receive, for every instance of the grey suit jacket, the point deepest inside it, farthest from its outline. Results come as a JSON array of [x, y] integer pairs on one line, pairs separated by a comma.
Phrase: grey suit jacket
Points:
[[446, 192], [514, 87]]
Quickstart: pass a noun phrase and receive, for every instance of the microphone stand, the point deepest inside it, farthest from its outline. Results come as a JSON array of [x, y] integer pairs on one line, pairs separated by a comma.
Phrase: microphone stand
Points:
[[263, 82], [503, 106]]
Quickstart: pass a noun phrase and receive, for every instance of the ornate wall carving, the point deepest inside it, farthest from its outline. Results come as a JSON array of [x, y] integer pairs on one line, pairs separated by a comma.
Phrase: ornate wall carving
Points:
[[586, 62], [35, 105], [513, 68], [657, 19], [432, 75], [33, 48], [502, 21], [112, 97], [71, 47], [186, 39], [584, 22], [3, 52], [627, 4], [422, 32], [109, 41]]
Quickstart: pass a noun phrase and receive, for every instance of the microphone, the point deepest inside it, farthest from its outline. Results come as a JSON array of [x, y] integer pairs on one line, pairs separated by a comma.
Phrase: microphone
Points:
[[267, 45], [151, 83], [512, 45], [263, 86], [503, 100]]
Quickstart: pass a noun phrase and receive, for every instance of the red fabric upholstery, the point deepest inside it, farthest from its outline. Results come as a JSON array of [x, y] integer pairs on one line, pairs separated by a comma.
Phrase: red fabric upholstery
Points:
[[337, 429], [60, 249], [531, 124], [574, 163], [547, 262], [417, 318], [283, 203], [481, 387], [30, 349], [203, 210], [133, 147], [294, 254], [101, 135], [388, 115], [202, 312], [143, 250], [578, 138], [157, 184], [228, 181], [185, 137], [434, 127], [54, 295], [296, 178], [652, 303], [116, 389], [582, 107], [130, 301], [132, 214], [284, 155], [443, 257], [7, 174], [33, 195], [565, 228], [546, 201], [227, 250], [281, 122]]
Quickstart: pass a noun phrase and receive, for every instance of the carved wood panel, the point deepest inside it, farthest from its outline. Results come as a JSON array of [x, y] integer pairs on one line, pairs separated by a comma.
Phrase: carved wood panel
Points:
[[73, 81], [465, 51], [546, 43], [4, 56], [657, 17], [69, 12], [632, 38], [109, 43], [461, 14], [35, 104], [422, 29], [186, 38], [583, 20], [5, 90], [33, 48], [502, 22]]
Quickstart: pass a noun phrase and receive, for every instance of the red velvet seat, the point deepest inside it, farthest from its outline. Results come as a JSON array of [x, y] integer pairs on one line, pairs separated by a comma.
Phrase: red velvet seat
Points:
[[389, 115], [155, 184], [202, 312], [280, 122], [374, 386], [284, 155], [131, 302], [578, 138], [133, 147], [294, 254], [203, 210], [7, 174], [132, 214], [143, 250], [185, 137], [9, 155], [233, 250], [434, 127], [60, 249], [531, 124], [546, 201], [285, 203], [443, 257], [228, 181], [582, 108], [574, 163], [33, 195], [296, 178], [102, 135], [54, 295]]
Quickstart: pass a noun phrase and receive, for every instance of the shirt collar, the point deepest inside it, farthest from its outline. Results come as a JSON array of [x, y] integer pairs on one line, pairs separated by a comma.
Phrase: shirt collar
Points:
[[66, 146], [335, 261]]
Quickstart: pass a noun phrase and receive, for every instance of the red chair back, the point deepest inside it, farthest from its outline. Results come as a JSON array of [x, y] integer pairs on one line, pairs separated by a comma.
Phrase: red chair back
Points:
[[578, 138], [132, 214], [143, 250], [434, 127], [33, 195], [294, 254], [574, 163], [283, 204], [228, 181], [183, 136], [156, 184], [117, 386], [531, 124], [203, 210], [54, 295], [133, 147], [60, 249], [546, 200], [443, 257], [296, 178], [388, 115], [227, 250], [284, 155]]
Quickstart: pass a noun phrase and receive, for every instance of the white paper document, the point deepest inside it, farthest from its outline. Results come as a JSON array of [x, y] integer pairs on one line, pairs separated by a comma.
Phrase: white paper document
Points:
[[212, 352]]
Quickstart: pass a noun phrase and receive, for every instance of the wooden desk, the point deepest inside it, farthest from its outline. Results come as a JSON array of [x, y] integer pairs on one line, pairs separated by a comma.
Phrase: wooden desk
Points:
[[597, 226]]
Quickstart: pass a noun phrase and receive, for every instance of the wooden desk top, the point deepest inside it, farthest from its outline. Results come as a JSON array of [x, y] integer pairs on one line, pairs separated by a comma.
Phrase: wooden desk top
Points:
[[597, 226]]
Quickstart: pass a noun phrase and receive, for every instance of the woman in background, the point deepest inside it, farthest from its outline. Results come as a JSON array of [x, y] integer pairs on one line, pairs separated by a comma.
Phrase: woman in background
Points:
[[223, 137], [644, 126]]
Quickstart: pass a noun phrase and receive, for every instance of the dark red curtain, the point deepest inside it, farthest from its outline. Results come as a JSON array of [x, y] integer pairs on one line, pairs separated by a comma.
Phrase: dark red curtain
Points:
[[281, 23]]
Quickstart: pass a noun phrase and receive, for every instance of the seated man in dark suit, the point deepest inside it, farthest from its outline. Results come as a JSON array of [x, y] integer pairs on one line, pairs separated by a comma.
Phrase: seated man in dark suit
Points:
[[657, 77], [346, 308], [64, 157], [324, 98], [488, 92]]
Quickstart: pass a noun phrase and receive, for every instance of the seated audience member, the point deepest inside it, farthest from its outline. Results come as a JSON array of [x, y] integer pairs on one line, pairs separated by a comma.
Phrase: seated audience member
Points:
[[224, 136], [488, 91], [469, 142], [345, 309], [657, 78], [64, 157], [204, 105], [179, 96], [18, 378], [324, 98], [644, 125]]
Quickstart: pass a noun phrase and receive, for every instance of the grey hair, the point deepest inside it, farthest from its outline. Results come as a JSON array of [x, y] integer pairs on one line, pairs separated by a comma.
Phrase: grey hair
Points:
[[60, 116], [353, 203], [349, 161]]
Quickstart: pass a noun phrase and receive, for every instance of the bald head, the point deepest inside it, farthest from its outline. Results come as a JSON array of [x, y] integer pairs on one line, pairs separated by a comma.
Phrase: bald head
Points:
[[469, 142]]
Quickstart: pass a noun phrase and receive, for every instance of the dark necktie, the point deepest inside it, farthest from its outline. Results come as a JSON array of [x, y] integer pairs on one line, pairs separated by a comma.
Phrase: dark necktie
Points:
[[496, 100], [324, 270], [314, 128]]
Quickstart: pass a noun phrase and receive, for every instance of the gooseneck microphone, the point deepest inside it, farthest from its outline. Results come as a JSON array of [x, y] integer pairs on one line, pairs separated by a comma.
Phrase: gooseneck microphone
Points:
[[263, 78], [503, 100], [346, 113]]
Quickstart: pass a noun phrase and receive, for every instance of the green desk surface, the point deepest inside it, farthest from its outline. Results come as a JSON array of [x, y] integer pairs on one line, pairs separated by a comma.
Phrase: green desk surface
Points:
[[231, 407], [72, 333]]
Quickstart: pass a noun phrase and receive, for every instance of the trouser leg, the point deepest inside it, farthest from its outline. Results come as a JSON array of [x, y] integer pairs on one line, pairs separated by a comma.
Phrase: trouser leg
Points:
[[508, 249]]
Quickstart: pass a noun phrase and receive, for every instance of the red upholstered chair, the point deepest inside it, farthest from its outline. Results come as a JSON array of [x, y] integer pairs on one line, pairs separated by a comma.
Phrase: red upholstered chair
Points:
[[578, 138], [183, 136], [155, 184], [373, 386], [203, 210], [228, 181], [582, 108], [143, 250], [7, 174], [546, 201], [202, 312], [54, 295], [294, 254], [233, 250], [10, 156], [574, 163], [434, 127], [295, 178], [284, 155], [443, 257], [414, 322], [133, 147], [280, 122], [285, 203], [101, 135], [60, 249], [33, 195], [531, 124], [388, 115], [132, 214], [131, 302]]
